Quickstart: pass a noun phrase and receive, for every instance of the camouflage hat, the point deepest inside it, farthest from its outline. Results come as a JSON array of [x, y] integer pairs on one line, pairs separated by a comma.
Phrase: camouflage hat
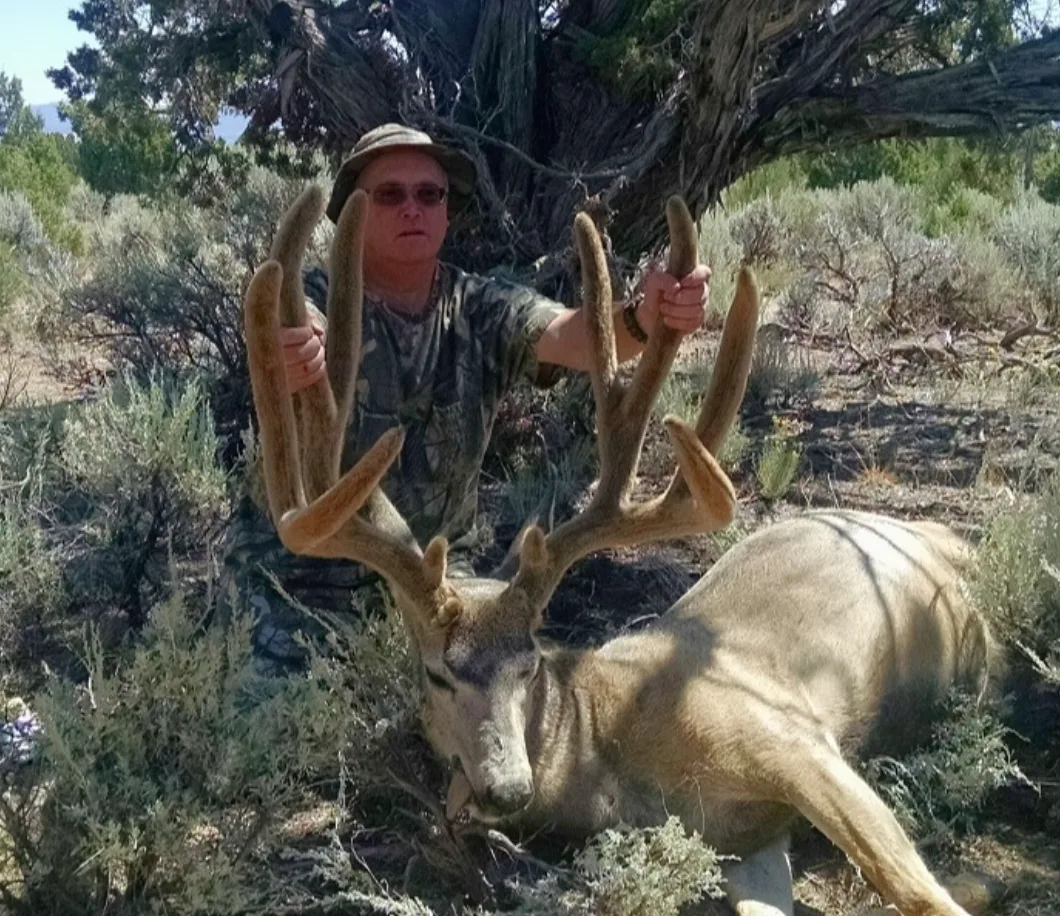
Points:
[[387, 137]]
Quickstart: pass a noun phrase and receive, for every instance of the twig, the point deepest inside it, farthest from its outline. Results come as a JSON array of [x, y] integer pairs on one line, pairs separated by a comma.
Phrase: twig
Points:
[[526, 159], [1016, 334]]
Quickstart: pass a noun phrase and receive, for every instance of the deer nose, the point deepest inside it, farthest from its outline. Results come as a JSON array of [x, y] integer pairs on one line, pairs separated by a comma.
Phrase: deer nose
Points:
[[509, 797]]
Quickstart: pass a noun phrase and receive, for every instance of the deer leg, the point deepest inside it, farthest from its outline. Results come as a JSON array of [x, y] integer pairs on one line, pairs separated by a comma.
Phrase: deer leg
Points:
[[841, 804], [760, 884]]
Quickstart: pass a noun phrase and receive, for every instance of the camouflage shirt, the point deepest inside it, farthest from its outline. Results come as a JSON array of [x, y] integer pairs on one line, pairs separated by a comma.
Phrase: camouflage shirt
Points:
[[441, 375]]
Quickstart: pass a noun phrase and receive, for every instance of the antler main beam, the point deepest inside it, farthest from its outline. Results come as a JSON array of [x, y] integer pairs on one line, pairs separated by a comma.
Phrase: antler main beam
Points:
[[302, 437]]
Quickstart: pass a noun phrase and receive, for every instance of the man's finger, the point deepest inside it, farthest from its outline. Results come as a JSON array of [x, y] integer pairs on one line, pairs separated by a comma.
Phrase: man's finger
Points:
[[700, 275], [684, 298], [294, 336], [303, 352], [683, 324], [317, 360], [295, 385]]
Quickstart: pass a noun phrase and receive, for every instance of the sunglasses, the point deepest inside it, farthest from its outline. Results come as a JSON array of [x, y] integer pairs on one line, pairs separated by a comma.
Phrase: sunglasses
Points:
[[394, 195]]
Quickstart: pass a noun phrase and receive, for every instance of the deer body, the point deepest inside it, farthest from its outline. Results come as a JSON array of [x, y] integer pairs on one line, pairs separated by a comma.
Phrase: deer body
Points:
[[860, 631], [834, 631]]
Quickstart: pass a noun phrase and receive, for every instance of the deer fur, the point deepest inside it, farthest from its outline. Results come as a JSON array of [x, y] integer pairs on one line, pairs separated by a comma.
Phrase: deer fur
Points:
[[816, 638]]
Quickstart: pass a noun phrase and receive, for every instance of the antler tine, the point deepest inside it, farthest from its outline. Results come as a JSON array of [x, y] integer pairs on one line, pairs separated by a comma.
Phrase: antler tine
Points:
[[272, 402], [344, 309], [728, 381], [603, 366], [658, 355], [314, 406], [701, 497]]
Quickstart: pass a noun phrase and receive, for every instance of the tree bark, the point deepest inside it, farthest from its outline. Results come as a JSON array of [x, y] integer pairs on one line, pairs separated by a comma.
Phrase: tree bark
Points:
[[514, 83]]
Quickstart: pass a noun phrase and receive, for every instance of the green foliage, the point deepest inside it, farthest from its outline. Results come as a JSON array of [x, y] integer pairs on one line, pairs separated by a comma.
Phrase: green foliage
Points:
[[166, 776], [955, 31], [641, 54], [12, 280], [125, 150], [33, 597], [42, 167], [1029, 235], [1015, 581], [940, 789], [655, 870], [769, 180], [165, 291], [778, 462], [629, 872], [17, 119], [32, 268], [142, 464], [189, 56], [719, 250], [937, 167]]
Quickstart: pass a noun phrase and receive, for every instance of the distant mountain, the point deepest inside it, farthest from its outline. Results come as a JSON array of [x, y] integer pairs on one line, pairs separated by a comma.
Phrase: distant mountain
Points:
[[229, 126], [53, 122]]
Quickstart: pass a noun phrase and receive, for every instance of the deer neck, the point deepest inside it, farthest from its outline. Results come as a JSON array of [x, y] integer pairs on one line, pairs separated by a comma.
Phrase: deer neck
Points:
[[573, 736]]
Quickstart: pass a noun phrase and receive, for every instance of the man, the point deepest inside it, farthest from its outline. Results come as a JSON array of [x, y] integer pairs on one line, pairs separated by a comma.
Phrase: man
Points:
[[440, 350]]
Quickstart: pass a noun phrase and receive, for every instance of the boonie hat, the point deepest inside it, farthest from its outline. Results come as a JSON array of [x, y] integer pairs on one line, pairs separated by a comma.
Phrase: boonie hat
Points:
[[458, 166]]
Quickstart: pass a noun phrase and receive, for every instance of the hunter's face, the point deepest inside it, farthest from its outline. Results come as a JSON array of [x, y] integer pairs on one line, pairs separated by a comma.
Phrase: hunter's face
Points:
[[408, 208]]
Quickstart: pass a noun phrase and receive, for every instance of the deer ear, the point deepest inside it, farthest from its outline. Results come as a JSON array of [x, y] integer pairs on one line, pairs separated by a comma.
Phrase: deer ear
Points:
[[533, 552]]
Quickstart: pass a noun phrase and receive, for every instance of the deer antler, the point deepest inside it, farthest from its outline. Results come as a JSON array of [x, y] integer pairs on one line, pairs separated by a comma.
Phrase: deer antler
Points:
[[314, 510], [700, 497]]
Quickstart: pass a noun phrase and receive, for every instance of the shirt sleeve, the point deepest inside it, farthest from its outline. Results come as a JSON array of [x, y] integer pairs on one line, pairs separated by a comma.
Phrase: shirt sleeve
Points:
[[511, 319]]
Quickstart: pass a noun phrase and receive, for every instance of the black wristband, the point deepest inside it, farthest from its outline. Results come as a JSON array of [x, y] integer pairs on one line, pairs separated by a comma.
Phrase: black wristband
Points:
[[629, 318]]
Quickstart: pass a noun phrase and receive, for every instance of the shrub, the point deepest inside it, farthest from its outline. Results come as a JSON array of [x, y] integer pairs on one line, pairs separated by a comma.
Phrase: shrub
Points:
[[33, 270], [940, 789], [165, 293], [628, 872], [161, 781], [1015, 580], [867, 257], [1029, 235], [721, 253], [32, 598], [781, 372], [964, 210], [24, 249], [142, 464], [778, 461]]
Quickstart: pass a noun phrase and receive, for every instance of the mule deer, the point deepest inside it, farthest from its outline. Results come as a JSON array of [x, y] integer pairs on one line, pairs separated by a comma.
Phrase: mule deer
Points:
[[812, 638]]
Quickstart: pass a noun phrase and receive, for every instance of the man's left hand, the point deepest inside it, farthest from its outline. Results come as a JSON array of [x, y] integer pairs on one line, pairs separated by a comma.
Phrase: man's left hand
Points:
[[681, 303]]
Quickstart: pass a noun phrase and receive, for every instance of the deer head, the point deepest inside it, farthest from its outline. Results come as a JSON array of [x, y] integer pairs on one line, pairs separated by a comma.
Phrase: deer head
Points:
[[476, 638]]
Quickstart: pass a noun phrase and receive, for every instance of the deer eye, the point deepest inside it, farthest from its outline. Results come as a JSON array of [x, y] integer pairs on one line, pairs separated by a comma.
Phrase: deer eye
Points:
[[438, 681]]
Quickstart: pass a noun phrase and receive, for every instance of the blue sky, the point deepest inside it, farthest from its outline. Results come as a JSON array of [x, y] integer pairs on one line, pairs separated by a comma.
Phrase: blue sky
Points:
[[37, 35]]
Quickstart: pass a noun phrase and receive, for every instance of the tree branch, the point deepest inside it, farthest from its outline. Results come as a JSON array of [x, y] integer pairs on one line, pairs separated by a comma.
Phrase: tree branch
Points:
[[1012, 91]]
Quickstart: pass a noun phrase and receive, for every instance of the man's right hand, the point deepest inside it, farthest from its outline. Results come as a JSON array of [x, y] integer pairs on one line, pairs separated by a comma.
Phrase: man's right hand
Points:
[[303, 355]]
